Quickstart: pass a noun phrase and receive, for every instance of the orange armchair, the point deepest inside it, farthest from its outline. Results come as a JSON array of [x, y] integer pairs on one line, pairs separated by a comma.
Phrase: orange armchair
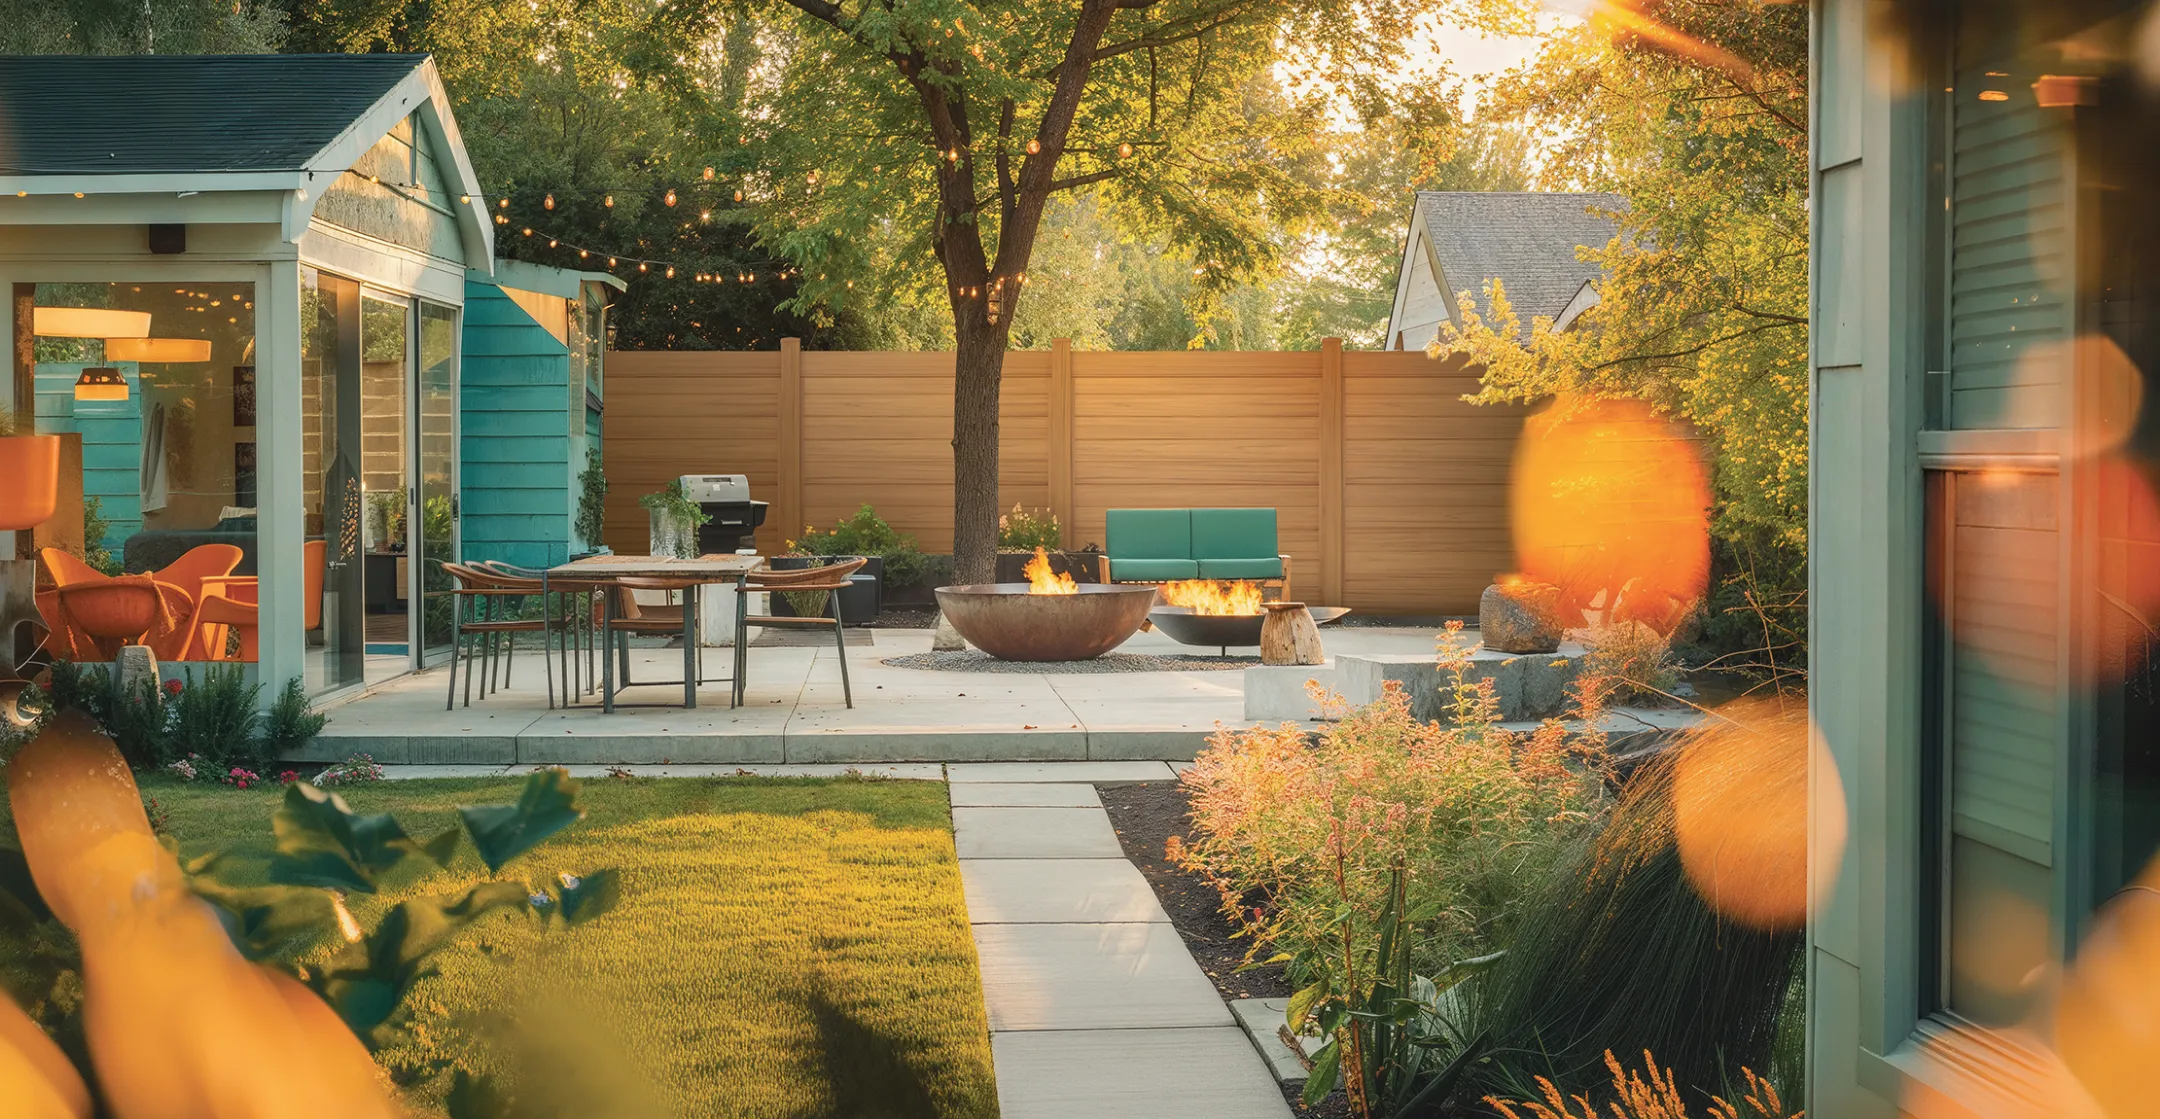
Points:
[[63, 638], [229, 605], [189, 574]]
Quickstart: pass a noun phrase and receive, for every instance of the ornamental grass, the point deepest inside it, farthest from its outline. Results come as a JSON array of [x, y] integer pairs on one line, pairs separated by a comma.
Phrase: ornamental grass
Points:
[[1475, 812]]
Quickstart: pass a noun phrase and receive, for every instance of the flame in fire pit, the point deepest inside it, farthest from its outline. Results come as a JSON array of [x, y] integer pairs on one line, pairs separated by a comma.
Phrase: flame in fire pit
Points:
[[1207, 596], [1042, 580]]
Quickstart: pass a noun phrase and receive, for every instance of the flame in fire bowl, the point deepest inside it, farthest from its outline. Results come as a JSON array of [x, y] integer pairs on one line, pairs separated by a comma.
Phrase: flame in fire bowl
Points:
[[1005, 621]]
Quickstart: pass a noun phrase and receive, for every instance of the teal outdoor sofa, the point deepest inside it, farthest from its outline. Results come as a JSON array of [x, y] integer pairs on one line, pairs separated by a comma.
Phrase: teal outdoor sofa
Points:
[[1159, 545]]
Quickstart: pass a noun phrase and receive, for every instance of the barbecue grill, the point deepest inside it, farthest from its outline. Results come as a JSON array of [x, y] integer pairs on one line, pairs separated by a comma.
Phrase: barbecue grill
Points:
[[734, 517]]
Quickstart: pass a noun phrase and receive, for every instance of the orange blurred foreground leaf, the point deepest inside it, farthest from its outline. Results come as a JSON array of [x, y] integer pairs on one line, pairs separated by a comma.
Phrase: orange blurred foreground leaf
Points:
[[70, 790], [36, 1080]]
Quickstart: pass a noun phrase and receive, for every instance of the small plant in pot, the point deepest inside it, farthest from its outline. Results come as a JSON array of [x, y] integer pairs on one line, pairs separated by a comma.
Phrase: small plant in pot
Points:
[[675, 521], [31, 464]]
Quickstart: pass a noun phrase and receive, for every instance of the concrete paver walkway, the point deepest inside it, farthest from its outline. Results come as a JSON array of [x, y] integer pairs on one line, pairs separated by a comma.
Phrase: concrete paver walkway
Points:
[[1097, 1010]]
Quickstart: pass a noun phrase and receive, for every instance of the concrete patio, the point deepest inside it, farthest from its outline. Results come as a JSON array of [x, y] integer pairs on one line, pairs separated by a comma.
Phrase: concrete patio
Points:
[[794, 714]]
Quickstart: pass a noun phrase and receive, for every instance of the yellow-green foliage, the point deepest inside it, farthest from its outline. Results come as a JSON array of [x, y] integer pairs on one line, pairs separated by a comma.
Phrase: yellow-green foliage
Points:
[[783, 947]]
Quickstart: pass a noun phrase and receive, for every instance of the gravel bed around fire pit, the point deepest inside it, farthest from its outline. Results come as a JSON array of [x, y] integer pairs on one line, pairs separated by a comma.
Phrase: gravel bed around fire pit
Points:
[[973, 661]]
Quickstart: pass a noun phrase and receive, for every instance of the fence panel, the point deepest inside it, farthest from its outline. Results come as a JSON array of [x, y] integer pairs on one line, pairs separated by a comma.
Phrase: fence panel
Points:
[[1391, 493]]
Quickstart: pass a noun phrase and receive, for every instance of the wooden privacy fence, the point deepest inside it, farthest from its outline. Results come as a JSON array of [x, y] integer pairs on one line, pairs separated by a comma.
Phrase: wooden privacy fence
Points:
[[1391, 491]]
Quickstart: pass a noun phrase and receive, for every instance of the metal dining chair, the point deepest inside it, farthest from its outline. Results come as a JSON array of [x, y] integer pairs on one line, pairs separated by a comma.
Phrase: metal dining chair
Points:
[[832, 578], [625, 615], [485, 605]]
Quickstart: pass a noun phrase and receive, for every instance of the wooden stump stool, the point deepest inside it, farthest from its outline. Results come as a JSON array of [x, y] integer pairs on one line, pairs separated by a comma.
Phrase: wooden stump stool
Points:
[[1289, 636]]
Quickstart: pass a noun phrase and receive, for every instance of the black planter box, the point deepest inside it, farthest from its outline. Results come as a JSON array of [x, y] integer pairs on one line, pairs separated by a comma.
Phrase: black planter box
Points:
[[1082, 566], [859, 604]]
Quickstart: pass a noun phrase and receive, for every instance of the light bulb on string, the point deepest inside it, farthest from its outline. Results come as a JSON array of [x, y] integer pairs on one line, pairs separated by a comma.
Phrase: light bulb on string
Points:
[[708, 174], [1124, 151], [669, 197], [528, 231], [611, 262], [503, 203], [548, 203], [551, 242], [581, 254], [812, 178], [1034, 147], [608, 201], [704, 215], [641, 266], [671, 272], [464, 199]]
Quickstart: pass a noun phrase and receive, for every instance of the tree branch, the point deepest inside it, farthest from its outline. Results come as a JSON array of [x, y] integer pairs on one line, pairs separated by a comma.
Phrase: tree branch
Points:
[[1692, 350], [1775, 316], [1081, 180], [1191, 27]]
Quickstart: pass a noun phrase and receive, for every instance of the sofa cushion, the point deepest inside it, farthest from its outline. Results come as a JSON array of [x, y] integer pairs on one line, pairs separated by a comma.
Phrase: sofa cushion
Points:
[[1148, 534], [1241, 568], [1152, 570], [1233, 534]]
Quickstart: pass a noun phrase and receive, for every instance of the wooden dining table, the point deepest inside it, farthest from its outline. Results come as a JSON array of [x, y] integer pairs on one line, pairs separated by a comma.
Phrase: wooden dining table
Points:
[[707, 569]]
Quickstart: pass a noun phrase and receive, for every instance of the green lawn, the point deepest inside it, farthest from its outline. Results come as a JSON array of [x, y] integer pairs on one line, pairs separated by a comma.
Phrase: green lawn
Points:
[[783, 947]]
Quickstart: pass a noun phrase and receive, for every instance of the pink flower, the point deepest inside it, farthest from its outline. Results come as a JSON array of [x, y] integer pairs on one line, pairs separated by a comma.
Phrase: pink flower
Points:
[[172, 687]]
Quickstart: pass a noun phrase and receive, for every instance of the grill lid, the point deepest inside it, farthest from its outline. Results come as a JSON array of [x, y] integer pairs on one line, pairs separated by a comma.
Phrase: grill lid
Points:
[[712, 489]]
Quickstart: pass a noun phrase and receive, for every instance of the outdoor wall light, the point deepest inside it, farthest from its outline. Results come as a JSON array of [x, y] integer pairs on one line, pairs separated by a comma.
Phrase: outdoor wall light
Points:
[[165, 350], [101, 382], [89, 322]]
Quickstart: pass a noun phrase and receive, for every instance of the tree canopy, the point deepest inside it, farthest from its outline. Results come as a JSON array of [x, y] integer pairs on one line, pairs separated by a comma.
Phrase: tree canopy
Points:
[[1699, 120]]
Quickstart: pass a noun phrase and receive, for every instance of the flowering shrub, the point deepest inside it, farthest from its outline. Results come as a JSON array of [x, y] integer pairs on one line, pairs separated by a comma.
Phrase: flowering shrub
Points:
[[1023, 530], [357, 768], [240, 778], [1289, 830], [185, 769]]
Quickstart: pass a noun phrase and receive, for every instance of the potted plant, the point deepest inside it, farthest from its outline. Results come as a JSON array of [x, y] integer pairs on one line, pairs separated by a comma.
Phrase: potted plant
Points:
[[891, 559], [674, 521], [31, 464], [1022, 531]]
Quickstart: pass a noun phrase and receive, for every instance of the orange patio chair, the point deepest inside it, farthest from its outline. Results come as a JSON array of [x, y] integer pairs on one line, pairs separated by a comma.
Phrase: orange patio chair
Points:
[[229, 605], [187, 574], [63, 639]]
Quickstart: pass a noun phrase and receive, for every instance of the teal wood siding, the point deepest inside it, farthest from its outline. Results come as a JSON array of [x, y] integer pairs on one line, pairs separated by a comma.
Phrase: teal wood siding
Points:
[[112, 441], [516, 504]]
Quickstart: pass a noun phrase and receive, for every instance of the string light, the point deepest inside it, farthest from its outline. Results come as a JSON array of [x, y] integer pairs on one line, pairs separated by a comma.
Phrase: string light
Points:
[[1034, 147], [670, 270], [813, 178], [608, 202], [670, 197], [640, 265], [1124, 151], [548, 203], [503, 204], [738, 196], [708, 174]]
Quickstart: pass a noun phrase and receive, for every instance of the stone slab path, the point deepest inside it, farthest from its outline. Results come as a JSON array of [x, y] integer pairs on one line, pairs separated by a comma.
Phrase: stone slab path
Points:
[[1097, 1010]]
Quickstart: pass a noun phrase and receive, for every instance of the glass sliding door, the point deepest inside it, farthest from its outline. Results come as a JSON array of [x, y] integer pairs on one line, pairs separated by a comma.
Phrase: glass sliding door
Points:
[[386, 377], [330, 441], [436, 469]]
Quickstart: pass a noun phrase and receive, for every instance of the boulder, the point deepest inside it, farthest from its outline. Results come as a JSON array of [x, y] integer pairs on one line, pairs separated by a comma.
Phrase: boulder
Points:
[[134, 669], [1519, 618]]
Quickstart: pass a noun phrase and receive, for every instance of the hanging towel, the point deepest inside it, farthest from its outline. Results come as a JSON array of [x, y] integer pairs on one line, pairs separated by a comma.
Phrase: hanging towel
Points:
[[154, 487]]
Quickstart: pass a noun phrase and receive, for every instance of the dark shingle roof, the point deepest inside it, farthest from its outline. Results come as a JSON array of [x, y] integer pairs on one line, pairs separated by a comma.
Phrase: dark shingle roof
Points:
[[75, 114], [1526, 239]]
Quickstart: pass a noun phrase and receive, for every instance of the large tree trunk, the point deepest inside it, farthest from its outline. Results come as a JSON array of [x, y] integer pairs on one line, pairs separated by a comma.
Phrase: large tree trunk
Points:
[[978, 367]]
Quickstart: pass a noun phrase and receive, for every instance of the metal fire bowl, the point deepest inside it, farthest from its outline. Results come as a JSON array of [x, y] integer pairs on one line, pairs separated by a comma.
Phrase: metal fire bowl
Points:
[[1224, 630], [1005, 621]]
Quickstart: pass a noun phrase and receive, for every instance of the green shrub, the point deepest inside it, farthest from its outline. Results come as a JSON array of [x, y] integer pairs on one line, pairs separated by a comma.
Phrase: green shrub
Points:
[[292, 720], [1024, 531], [592, 500], [217, 717], [1474, 813], [866, 534]]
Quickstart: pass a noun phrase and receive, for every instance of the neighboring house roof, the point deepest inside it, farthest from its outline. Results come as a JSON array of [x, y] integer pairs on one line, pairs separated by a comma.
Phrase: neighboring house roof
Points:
[[1525, 239], [74, 114]]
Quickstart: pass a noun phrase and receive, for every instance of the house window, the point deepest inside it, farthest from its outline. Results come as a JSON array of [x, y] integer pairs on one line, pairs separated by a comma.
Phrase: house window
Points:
[[2042, 727]]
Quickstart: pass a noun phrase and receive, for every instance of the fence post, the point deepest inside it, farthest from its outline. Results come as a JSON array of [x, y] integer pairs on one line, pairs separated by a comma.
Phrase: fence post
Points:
[[790, 503], [1331, 472], [1061, 438]]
